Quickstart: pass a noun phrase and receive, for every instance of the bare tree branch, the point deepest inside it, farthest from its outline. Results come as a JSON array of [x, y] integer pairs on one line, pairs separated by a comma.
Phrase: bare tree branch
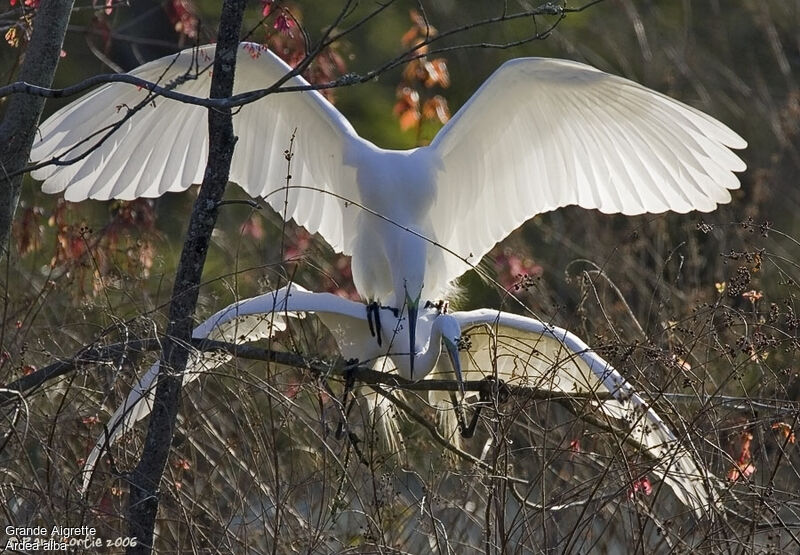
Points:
[[28, 384], [113, 353], [419, 50]]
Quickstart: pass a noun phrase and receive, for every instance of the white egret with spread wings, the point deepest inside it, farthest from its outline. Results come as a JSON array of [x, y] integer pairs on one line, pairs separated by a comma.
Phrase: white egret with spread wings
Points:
[[518, 350], [260, 317], [537, 135]]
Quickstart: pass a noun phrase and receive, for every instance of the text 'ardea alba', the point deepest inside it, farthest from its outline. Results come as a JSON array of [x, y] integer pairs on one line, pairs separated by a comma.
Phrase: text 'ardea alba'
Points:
[[516, 349], [538, 134]]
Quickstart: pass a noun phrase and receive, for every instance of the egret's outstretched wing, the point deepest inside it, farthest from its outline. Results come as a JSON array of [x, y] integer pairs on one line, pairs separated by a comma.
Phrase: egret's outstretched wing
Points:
[[528, 352], [164, 146], [245, 321], [544, 133]]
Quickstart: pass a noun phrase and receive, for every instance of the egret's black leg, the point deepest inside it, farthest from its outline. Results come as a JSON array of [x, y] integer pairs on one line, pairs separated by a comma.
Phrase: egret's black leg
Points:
[[349, 381], [394, 311], [354, 441], [466, 431], [493, 389], [374, 321]]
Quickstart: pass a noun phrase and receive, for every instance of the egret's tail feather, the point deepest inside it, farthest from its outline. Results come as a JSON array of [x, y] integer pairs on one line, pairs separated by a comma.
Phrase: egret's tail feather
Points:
[[446, 417], [384, 423]]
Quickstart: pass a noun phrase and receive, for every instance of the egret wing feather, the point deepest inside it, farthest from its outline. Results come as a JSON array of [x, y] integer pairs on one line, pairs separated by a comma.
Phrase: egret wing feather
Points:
[[242, 322], [528, 352], [541, 133], [164, 146]]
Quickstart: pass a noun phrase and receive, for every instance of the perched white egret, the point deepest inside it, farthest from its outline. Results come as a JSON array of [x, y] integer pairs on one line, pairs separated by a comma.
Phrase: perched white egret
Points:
[[515, 349], [259, 317], [538, 134]]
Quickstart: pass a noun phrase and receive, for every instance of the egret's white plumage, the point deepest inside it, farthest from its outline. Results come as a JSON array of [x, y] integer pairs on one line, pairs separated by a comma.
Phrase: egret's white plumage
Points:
[[260, 317], [538, 134], [515, 349], [528, 352]]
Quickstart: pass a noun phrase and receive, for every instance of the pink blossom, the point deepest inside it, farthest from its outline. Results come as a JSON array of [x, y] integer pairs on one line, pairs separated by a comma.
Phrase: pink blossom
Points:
[[283, 24], [642, 485]]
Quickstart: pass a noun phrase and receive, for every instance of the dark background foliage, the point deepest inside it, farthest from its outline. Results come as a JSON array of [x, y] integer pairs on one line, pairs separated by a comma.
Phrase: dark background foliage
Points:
[[698, 310]]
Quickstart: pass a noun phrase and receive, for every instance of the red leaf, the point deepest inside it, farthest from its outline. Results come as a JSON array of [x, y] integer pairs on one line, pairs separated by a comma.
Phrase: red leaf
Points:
[[641, 485], [407, 108], [90, 420], [436, 109], [182, 464], [283, 24], [741, 471], [437, 73], [252, 227], [785, 430], [409, 119]]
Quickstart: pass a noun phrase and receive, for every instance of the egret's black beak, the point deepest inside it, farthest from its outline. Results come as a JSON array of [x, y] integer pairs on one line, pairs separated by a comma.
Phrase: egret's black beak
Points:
[[455, 360], [413, 312]]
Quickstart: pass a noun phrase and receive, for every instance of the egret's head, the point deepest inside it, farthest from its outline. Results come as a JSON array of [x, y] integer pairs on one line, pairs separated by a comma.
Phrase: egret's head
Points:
[[451, 334]]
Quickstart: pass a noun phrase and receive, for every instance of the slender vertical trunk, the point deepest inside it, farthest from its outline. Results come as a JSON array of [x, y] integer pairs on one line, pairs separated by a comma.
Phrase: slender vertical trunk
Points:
[[143, 504], [23, 111]]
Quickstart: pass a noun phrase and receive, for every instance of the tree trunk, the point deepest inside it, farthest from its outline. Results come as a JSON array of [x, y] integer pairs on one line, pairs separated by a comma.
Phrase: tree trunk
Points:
[[23, 111], [143, 504]]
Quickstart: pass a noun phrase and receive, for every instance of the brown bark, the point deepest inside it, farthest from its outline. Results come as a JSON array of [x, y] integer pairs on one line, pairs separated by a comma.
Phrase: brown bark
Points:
[[23, 111], [144, 495]]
